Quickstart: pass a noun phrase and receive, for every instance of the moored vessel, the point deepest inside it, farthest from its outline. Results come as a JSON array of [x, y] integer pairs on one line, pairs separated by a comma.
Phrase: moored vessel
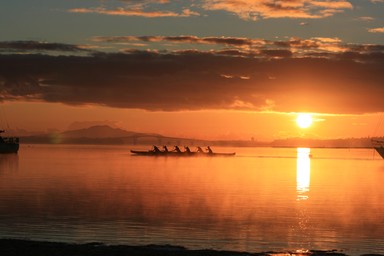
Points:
[[8, 144], [378, 145]]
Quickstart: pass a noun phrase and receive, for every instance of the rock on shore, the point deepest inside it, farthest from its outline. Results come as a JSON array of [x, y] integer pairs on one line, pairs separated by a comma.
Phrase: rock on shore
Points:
[[14, 247]]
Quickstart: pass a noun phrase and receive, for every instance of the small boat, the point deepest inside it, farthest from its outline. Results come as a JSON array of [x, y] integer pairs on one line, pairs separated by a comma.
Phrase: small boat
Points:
[[187, 153], [8, 144], [378, 145]]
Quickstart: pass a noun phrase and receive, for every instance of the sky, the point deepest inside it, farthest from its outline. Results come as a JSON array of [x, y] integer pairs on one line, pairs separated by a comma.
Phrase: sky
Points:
[[209, 69]]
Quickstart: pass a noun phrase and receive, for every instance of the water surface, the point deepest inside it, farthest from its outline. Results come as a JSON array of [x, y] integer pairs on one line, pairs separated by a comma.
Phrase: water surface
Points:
[[263, 199]]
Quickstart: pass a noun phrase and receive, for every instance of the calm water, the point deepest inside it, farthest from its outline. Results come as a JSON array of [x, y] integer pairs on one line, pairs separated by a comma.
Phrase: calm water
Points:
[[262, 199]]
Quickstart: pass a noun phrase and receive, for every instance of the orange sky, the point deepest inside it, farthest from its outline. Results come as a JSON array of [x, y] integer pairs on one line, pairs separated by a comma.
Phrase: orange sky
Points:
[[205, 124], [209, 69], [215, 95]]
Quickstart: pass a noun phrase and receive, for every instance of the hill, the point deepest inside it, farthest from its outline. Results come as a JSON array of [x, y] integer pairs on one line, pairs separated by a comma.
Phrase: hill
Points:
[[98, 131], [104, 134], [99, 134]]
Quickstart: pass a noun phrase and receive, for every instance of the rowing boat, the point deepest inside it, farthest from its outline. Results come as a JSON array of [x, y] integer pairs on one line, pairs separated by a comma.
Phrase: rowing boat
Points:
[[171, 153]]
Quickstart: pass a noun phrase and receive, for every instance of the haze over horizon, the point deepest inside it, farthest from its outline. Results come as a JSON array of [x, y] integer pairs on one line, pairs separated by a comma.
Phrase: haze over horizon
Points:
[[209, 69]]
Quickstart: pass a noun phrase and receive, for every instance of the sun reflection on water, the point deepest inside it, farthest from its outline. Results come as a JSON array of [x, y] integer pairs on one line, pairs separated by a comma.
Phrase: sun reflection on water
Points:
[[303, 173]]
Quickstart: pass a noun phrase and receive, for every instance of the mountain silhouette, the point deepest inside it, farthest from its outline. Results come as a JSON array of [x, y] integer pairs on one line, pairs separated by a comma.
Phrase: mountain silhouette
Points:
[[104, 134], [99, 131]]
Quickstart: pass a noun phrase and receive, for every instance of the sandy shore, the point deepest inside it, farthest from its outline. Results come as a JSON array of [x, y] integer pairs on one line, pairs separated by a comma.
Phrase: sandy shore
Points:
[[13, 247]]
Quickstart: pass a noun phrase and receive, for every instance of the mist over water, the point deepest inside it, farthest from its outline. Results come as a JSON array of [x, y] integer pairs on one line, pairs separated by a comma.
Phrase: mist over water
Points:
[[263, 199]]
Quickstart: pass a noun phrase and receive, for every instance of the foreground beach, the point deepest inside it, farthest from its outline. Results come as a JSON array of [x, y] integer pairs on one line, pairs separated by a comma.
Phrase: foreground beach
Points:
[[14, 247]]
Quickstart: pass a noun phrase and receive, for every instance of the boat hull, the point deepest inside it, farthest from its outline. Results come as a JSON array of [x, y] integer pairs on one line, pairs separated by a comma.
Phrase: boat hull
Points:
[[186, 154], [380, 150], [9, 148]]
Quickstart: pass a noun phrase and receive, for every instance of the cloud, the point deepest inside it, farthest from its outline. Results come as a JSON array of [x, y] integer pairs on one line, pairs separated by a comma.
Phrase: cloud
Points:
[[135, 12], [237, 45], [255, 9], [40, 46], [366, 18], [226, 41], [145, 2], [276, 76], [244, 9], [145, 8], [376, 30]]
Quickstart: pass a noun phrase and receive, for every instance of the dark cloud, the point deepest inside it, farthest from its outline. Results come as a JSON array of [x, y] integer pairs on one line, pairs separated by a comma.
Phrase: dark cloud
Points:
[[232, 41], [39, 46], [274, 79], [210, 40], [277, 53], [295, 47]]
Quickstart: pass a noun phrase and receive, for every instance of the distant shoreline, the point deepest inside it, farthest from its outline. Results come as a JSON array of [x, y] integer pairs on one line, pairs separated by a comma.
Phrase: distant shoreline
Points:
[[106, 135], [17, 247], [211, 144], [342, 144]]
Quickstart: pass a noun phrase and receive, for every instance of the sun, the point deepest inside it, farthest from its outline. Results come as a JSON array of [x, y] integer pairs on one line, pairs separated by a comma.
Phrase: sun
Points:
[[304, 120]]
